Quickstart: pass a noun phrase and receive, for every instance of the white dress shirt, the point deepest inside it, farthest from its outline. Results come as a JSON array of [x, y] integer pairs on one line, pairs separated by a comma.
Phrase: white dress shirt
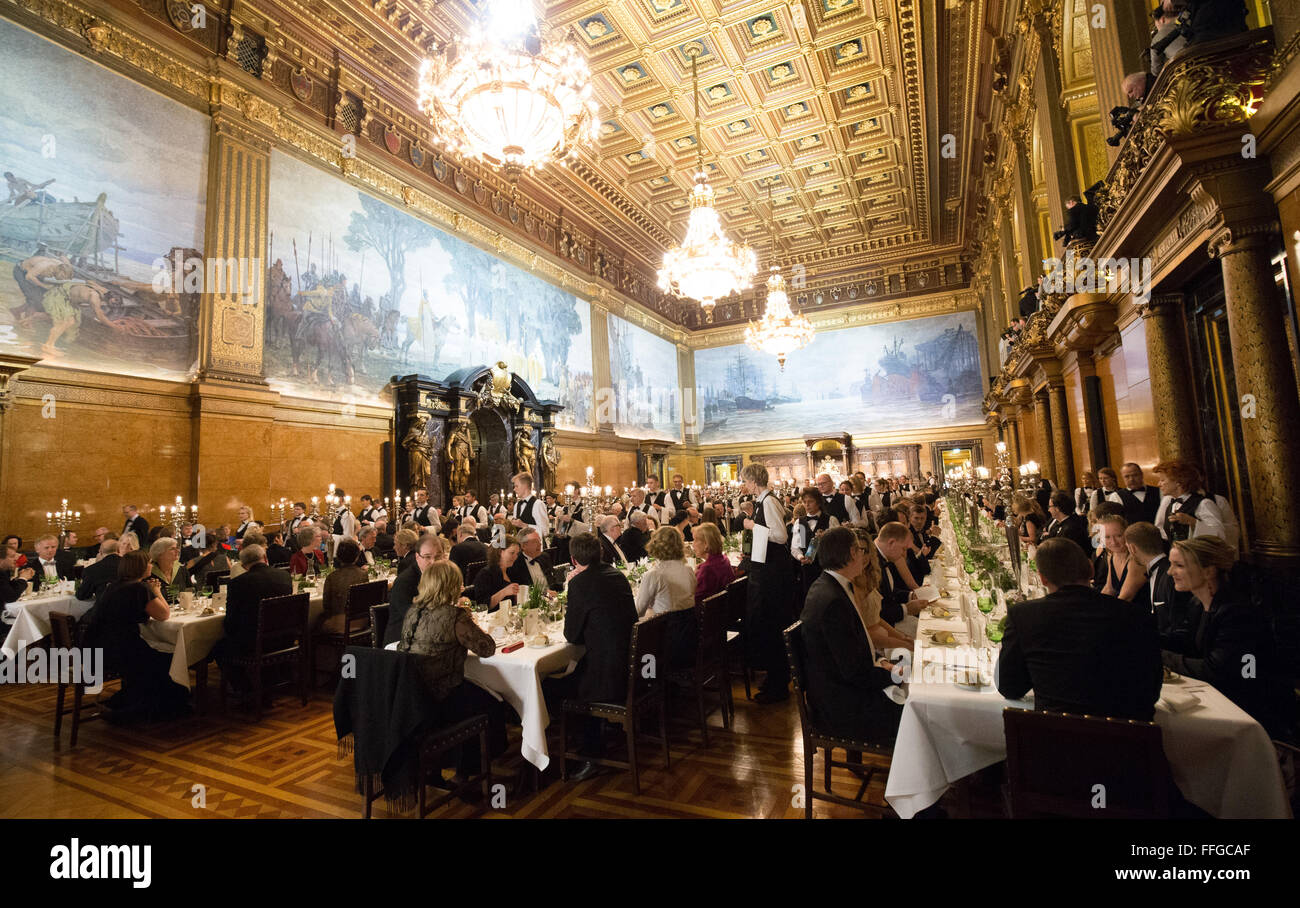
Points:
[[50, 569], [535, 572], [1151, 580], [668, 586], [774, 517], [1209, 521]]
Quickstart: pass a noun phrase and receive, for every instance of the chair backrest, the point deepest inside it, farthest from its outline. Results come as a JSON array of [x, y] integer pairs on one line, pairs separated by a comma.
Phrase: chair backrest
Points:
[[216, 579], [361, 596], [711, 620], [796, 655], [61, 632], [649, 638], [280, 621], [472, 571], [378, 624], [737, 599], [1082, 766]]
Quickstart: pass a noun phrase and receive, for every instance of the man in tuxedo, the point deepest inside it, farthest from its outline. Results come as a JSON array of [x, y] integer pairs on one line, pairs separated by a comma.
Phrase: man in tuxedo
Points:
[[471, 509], [50, 563], [634, 538], [422, 514], [406, 585], [1066, 523], [680, 495], [529, 510], [366, 537], [610, 551], [92, 551], [1172, 608], [12, 588], [296, 522], [100, 574], [1080, 651], [837, 504], [897, 599], [276, 551], [533, 566], [243, 596], [468, 549], [1140, 500], [657, 501], [846, 679], [1109, 490], [135, 523], [600, 615]]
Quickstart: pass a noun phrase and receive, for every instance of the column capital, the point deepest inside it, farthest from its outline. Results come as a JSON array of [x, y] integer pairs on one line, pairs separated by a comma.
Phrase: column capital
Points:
[[1235, 238], [1157, 304]]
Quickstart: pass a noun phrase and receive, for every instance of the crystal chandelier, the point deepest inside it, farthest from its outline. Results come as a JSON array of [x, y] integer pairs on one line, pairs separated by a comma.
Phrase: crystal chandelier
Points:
[[504, 95], [707, 266], [780, 331]]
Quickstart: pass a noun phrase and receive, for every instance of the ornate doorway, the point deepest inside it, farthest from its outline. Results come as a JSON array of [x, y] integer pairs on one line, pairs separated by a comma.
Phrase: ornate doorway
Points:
[[489, 469]]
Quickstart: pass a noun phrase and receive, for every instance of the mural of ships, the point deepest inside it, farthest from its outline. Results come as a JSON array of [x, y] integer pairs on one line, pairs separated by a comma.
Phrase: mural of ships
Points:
[[947, 364], [84, 230]]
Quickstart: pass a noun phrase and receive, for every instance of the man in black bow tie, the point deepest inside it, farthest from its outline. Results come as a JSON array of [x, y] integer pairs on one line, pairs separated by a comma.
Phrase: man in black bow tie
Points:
[[533, 566], [51, 564], [135, 523]]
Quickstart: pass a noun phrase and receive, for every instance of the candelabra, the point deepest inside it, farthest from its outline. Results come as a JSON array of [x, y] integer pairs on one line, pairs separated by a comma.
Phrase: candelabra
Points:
[[1029, 477], [63, 518], [178, 515], [1003, 464]]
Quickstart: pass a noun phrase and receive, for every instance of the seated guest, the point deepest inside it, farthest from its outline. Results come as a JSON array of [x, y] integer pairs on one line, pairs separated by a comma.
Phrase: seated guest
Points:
[[600, 615], [165, 564], [468, 549], [277, 553], [846, 679], [407, 585], [1029, 518], [214, 557], [366, 540], [1080, 652], [493, 585], [438, 630], [1097, 532], [13, 581], [669, 586], [1226, 633], [921, 546], [404, 548], [1066, 523], [252, 536], [610, 552], [634, 538], [69, 544], [345, 575], [897, 598], [148, 692], [867, 600], [50, 564], [1171, 607], [1117, 572], [243, 596], [13, 544], [1183, 513], [92, 551], [309, 558], [533, 566], [100, 574], [714, 572], [385, 538], [1044, 494]]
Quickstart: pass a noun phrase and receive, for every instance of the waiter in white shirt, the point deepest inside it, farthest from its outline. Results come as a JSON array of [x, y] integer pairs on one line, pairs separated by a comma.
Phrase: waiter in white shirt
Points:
[[658, 502], [1183, 512], [681, 496], [529, 510]]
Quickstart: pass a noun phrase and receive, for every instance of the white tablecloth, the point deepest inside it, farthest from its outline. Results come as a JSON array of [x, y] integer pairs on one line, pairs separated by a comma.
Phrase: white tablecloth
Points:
[[517, 677], [1221, 758], [32, 619]]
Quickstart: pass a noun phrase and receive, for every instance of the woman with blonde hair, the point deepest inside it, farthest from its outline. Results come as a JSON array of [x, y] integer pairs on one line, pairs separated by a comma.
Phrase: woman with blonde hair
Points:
[[714, 572], [441, 634], [867, 599], [1118, 574], [1031, 518], [669, 587]]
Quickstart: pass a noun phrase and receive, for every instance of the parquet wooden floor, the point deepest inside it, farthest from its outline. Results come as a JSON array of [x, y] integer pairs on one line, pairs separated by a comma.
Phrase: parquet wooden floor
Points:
[[288, 766]]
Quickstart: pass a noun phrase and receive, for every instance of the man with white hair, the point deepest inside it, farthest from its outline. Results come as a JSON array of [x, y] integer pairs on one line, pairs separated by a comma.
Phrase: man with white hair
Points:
[[837, 504], [103, 572], [50, 564], [366, 537], [533, 566], [609, 527], [468, 549], [636, 505], [634, 538]]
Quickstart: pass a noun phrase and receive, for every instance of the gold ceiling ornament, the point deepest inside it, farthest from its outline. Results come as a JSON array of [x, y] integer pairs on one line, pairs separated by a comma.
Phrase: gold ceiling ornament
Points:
[[508, 96], [780, 331], [707, 266]]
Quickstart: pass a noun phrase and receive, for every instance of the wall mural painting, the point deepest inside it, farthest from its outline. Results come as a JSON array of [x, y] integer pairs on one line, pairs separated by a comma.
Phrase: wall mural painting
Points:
[[872, 378], [103, 178], [646, 401], [359, 291]]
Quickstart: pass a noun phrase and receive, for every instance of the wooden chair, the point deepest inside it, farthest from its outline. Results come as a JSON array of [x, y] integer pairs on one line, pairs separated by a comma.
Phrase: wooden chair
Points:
[[1056, 761], [216, 579], [356, 621], [737, 602], [378, 624], [710, 669], [64, 636], [815, 738], [282, 639], [439, 742], [472, 571], [643, 693]]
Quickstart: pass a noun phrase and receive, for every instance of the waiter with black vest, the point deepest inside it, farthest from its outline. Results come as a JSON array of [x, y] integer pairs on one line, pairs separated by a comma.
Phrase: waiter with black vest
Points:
[[1139, 500], [839, 506], [423, 511], [771, 582], [680, 495], [529, 510]]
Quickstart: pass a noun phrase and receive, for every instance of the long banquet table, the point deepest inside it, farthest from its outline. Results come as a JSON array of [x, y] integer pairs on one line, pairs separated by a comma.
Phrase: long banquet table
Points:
[[31, 617], [1222, 759]]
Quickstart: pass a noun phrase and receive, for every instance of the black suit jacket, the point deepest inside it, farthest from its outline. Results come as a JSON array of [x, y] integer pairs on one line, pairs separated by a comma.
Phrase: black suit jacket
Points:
[[10, 590], [1075, 528], [600, 615], [1172, 609], [140, 527], [466, 552], [65, 565], [894, 593], [607, 552], [519, 571], [400, 597], [632, 542], [99, 575], [1082, 652], [278, 554], [844, 683], [244, 594]]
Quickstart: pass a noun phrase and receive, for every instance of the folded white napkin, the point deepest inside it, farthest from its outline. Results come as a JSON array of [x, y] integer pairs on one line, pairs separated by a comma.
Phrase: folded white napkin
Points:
[[1178, 701]]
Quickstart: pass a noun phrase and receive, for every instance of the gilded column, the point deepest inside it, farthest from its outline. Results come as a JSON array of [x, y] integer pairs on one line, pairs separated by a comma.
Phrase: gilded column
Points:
[[1061, 437], [604, 388], [1043, 419], [1265, 380], [1011, 435], [1171, 384]]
